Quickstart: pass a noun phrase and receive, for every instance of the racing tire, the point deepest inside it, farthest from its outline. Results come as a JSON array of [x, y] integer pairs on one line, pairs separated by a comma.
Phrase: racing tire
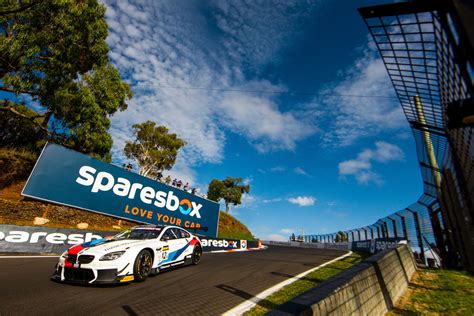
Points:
[[142, 266], [197, 253]]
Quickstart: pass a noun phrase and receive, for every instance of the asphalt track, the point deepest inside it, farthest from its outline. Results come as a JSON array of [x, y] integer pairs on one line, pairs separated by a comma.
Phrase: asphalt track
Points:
[[220, 282]]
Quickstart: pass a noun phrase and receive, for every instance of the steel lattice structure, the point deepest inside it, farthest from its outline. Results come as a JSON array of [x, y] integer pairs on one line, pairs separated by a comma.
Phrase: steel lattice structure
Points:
[[429, 59]]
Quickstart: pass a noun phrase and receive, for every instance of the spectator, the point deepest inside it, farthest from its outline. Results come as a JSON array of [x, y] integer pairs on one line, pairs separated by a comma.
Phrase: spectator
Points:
[[179, 184], [193, 191], [168, 180], [159, 176], [174, 182], [186, 187], [129, 167]]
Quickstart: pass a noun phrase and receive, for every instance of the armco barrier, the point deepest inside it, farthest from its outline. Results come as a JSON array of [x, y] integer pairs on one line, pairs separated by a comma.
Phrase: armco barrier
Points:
[[341, 246], [45, 240], [371, 246], [368, 288]]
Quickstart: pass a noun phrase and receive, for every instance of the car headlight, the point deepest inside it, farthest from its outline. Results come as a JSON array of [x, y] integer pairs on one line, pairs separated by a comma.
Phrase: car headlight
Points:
[[112, 256]]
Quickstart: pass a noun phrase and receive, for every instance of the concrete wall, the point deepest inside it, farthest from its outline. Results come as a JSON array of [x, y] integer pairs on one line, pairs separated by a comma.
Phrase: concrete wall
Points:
[[368, 288], [319, 245]]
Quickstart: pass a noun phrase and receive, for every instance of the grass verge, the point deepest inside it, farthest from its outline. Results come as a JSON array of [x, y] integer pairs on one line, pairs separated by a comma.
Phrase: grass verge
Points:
[[309, 281], [437, 292]]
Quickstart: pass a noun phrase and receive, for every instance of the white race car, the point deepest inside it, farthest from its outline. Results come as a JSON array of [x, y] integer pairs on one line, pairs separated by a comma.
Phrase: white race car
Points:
[[131, 255]]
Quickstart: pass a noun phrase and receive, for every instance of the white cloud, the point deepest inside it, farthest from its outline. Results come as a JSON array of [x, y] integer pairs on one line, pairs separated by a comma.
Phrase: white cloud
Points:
[[258, 119], [247, 180], [276, 237], [162, 46], [255, 32], [301, 171], [361, 167], [287, 230], [248, 200], [352, 117], [302, 200], [272, 200], [277, 169], [353, 167]]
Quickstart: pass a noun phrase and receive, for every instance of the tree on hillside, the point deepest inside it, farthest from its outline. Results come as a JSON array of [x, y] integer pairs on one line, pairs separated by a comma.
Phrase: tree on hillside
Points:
[[230, 189], [154, 148], [341, 236], [53, 54]]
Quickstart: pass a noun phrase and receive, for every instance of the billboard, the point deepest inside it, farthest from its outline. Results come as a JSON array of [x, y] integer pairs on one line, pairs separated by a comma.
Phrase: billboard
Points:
[[376, 245], [47, 240], [66, 177]]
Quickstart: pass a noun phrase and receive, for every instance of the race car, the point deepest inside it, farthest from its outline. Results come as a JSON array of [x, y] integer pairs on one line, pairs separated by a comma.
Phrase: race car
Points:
[[131, 255]]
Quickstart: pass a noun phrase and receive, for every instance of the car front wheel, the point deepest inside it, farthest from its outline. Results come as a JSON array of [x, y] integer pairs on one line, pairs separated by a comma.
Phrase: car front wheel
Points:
[[142, 266]]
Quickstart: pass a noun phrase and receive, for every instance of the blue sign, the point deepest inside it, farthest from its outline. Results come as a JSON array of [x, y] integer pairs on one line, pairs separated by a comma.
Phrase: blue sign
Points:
[[73, 179]]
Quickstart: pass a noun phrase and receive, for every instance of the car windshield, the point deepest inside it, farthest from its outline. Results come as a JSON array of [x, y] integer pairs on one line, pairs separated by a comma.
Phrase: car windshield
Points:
[[139, 234]]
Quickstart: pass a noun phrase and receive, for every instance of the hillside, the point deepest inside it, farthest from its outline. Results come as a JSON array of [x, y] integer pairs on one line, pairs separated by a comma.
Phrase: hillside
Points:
[[230, 227]]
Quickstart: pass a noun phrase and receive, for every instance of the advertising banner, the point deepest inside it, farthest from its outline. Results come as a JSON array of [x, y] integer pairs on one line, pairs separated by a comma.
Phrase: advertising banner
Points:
[[45, 240], [220, 244], [31, 239], [73, 179], [376, 245]]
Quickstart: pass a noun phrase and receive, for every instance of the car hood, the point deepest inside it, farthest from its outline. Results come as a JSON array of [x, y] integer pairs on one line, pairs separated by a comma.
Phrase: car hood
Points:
[[106, 246]]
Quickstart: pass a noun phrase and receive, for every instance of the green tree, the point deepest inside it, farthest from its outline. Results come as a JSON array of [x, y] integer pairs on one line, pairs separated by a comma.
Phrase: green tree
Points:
[[341, 236], [154, 148], [53, 54], [230, 189], [293, 237]]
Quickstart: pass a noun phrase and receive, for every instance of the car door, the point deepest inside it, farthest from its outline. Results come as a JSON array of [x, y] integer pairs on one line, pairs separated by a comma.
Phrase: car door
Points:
[[170, 247], [181, 242]]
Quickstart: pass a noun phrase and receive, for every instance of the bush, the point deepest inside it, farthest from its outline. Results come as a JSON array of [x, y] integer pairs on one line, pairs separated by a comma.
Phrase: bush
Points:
[[16, 165]]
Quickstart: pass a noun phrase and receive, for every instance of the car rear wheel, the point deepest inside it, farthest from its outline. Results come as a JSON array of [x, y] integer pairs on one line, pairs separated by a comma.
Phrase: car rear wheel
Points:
[[197, 253], [142, 266]]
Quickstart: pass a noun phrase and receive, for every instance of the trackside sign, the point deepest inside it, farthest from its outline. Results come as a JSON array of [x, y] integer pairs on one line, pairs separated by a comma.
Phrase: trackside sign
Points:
[[67, 177]]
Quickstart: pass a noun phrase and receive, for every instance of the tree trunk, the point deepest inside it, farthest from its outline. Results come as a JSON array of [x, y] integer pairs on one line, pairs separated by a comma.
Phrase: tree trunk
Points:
[[227, 208]]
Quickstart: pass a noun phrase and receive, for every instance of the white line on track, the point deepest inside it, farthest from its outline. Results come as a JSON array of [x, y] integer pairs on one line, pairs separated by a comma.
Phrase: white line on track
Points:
[[26, 257], [248, 304]]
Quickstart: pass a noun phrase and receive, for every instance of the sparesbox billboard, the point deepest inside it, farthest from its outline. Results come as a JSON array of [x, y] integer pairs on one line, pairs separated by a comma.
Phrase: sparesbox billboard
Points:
[[70, 178]]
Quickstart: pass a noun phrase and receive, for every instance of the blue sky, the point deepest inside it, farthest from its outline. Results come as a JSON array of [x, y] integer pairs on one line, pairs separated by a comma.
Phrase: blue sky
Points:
[[289, 95]]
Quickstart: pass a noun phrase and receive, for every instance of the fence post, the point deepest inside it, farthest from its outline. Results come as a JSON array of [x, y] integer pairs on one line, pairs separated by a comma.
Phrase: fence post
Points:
[[418, 235], [438, 232], [394, 223], [385, 228], [404, 226]]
